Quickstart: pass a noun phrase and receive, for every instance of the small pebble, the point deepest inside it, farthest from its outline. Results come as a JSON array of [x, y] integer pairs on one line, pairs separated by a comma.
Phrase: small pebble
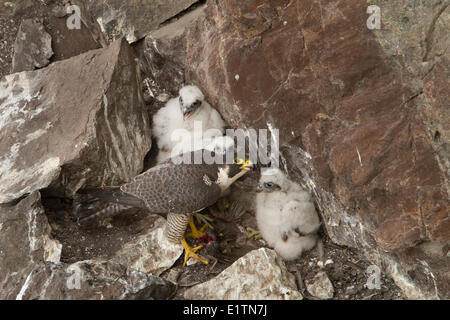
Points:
[[350, 290]]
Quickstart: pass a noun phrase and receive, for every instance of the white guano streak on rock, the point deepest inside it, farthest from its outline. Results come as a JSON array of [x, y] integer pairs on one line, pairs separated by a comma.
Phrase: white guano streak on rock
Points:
[[155, 45], [274, 140], [403, 281], [306, 157], [45, 286], [100, 23], [10, 110], [25, 286], [40, 175], [359, 156], [14, 111], [52, 249], [114, 140], [431, 275], [36, 134], [31, 221], [7, 161]]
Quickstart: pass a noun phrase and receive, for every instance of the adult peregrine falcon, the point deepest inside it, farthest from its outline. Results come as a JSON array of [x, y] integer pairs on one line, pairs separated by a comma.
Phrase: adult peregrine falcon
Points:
[[175, 191]]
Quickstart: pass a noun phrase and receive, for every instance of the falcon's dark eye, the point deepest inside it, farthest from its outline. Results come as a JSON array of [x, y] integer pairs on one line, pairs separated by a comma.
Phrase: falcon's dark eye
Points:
[[181, 100], [270, 185], [196, 103]]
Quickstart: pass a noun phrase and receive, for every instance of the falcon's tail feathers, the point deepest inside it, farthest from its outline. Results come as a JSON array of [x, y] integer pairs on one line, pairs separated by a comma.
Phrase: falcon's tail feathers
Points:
[[99, 204]]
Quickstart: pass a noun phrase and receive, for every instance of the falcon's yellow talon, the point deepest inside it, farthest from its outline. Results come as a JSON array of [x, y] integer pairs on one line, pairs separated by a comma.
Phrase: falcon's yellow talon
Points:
[[203, 218], [196, 233], [191, 253], [253, 233]]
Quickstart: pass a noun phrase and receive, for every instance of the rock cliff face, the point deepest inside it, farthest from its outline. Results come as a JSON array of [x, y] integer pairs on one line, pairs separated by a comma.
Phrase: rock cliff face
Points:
[[363, 114], [24, 241], [79, 122], [33, 47], [363, 117], [135, 19], [31, 268]]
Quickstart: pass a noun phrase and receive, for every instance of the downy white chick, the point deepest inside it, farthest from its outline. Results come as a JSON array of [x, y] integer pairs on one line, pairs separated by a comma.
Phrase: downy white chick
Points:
[[285, 213], [183, 112]]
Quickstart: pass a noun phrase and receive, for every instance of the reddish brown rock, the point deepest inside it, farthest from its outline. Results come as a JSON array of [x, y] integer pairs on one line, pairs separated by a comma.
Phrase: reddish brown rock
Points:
[[354, 124]]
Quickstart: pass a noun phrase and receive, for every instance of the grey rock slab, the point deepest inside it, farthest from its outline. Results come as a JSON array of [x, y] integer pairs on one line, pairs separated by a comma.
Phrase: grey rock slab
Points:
[[25, 240], [134, 19], [78, 123], [151, 252], [33, 46], [320, 286], [260, 274], [93, 280]]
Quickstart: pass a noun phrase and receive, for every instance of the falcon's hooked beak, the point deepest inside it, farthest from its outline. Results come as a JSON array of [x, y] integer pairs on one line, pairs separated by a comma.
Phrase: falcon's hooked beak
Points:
[[189, 110]]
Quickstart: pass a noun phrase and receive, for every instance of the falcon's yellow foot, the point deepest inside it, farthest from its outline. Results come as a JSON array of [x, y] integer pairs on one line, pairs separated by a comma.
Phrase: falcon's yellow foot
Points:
[[204, 219], [255, 234], [191, 253], [196, 233]]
